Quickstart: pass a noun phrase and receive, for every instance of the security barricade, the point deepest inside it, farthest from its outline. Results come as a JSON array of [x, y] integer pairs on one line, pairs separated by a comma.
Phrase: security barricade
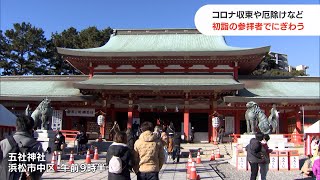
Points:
[[283, 160], [241, 161], [274, 161], [294, 160]]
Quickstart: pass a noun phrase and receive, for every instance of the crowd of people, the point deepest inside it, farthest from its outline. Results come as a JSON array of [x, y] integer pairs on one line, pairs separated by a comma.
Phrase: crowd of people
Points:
[[143, 152]]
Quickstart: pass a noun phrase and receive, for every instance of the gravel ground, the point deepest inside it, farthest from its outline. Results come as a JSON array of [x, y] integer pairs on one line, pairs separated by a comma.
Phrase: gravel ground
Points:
[[227, 171]]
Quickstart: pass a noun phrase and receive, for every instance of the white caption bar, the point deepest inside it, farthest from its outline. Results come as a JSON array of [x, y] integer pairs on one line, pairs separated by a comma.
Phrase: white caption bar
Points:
[[253, 20]]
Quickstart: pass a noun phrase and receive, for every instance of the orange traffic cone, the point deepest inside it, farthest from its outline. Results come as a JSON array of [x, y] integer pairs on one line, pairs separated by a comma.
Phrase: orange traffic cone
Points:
[[96, 155], [54, 162], [71, 160], [189, 163], [88, 158], [193, 172], [218, 153], [198, 158], [212, 156]]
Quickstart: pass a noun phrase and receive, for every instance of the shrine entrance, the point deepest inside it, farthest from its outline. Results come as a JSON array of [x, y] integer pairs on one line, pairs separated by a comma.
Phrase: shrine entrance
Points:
[[165, 117]]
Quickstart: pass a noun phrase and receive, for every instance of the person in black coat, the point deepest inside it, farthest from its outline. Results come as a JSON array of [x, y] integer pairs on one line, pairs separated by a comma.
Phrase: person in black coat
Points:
[[130, 138], [120, 149], [176, 147], [58, 141], [82, 140], [254, 154]]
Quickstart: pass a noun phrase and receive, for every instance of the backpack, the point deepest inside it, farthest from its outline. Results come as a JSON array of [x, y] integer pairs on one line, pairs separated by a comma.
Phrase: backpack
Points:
[[5, 163], [115, 165]]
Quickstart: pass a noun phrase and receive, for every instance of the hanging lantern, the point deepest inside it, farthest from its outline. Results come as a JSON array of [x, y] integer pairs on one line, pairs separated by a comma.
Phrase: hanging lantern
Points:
[[100, 120], [215, 122]]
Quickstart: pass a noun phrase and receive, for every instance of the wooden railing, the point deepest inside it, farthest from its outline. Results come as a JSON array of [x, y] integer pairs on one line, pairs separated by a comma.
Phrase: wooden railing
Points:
[[70, 134]]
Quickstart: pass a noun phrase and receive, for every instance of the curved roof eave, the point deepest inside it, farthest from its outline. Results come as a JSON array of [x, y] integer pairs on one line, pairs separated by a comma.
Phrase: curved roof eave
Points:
[[87, 53]]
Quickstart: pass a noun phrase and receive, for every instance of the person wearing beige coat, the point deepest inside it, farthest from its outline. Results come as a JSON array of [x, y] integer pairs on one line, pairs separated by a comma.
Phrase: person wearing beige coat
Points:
[[148, 154]]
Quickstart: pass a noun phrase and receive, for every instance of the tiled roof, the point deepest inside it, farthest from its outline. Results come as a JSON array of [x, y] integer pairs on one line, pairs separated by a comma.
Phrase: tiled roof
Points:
[[37, 87], [150, 43], [161, 82], [279, 90]]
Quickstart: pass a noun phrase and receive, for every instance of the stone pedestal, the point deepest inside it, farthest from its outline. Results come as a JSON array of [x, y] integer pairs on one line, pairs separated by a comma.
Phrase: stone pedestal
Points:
[[46, 138], [276, 141]]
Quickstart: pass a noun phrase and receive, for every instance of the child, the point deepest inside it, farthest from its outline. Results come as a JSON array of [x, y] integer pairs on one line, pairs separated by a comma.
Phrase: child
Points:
[[164, 140]]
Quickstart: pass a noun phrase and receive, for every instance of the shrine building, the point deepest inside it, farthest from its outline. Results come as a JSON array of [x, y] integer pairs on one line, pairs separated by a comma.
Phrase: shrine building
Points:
[[165, 75]]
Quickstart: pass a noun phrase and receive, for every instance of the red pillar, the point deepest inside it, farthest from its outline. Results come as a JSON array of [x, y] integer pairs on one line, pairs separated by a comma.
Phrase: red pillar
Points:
[[298, 121], [284, 121], [235, 73], [130, 118], [186, 124], [102, 127]]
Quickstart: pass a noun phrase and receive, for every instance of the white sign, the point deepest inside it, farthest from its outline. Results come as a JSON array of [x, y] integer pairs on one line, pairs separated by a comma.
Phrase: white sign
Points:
[[283, 163], [242, 163], [294, 163], [273, 163], [57, 119], [83, 112]]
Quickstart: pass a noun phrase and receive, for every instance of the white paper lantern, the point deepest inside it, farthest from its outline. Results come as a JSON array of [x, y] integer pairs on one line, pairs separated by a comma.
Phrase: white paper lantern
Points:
[[215, 122], [100, 120]]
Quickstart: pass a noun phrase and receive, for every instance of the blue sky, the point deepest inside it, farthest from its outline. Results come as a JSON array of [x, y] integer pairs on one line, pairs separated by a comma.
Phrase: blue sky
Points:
[[57, 15]]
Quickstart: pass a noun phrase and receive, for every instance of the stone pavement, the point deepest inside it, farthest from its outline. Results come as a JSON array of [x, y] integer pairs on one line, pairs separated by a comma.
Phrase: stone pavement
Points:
[[219, 169], [170, 170]]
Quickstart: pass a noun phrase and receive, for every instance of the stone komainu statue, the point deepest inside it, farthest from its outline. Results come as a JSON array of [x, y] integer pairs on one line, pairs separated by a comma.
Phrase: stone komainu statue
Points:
[[42, 115], [274, 118], [257, 120]]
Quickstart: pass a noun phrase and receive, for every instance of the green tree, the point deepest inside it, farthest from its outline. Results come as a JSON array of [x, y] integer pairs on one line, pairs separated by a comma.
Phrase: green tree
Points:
[[71, 38], [24, 47], [67, 39], [3, 51], [268, 67], [92, 37]]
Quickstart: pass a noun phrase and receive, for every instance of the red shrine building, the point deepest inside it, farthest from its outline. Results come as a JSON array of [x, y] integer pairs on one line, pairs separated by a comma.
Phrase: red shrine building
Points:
[[165, 75]]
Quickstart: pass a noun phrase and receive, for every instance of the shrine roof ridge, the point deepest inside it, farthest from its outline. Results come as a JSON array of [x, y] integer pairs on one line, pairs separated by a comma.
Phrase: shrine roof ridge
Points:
[[280, 78], [45, 78], [170, 44], [155, 31]]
